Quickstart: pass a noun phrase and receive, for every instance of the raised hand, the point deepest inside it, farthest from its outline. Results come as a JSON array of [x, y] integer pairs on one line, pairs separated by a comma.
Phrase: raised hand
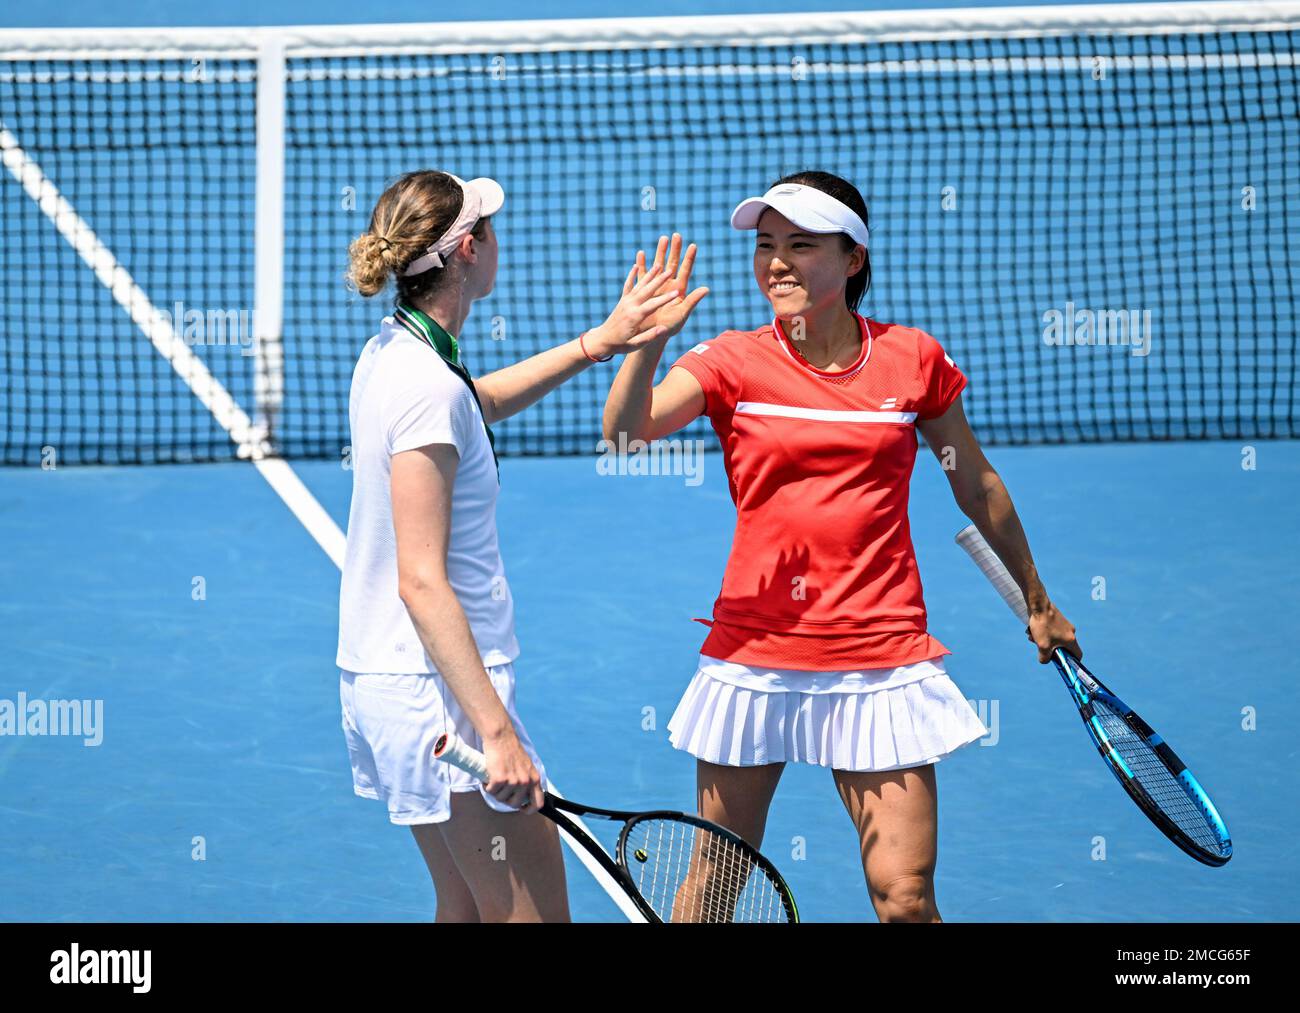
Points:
[[676, 279], [654, 305]]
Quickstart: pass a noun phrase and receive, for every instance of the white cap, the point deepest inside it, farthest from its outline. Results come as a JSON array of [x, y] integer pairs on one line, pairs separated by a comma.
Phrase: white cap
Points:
[[811, 209], [482, 197]]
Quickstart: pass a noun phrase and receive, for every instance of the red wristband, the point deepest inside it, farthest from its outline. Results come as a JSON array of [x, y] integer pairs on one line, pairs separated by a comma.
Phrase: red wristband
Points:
[[582, 343]]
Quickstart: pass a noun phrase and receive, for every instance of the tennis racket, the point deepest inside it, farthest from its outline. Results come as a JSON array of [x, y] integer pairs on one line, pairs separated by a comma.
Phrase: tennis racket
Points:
[[673, 867], [1152, 774]]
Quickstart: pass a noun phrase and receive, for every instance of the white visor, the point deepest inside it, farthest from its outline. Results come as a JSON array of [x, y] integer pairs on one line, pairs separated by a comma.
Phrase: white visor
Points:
[[482, 197], [807, 207]]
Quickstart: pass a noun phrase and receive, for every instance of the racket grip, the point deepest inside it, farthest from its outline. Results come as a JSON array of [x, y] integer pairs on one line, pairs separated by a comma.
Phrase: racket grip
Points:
[[451, 748], [987, 560]]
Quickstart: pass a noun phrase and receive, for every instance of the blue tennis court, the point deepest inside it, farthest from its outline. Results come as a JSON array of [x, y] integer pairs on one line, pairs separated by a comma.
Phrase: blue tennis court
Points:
[[220, 726]]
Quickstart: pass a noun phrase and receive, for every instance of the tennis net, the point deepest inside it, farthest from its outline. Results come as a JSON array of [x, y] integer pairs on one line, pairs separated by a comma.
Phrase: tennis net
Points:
[[1094, 209]]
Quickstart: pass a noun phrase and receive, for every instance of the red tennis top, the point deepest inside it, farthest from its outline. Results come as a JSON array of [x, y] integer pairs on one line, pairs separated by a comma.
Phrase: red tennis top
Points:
[[822, 574]]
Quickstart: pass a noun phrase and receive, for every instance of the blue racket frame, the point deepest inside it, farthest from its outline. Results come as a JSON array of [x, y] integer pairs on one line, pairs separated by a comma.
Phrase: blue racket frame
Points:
[[1086, 688]]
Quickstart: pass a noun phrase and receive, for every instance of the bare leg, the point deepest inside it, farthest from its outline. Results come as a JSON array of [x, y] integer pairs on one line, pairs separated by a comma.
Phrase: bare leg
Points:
[[738, 798], [455, 901], [511, 862], [896, 813]]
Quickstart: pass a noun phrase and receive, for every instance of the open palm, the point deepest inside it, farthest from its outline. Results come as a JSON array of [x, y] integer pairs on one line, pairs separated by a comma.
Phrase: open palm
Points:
[[672, 315], [654, 303]]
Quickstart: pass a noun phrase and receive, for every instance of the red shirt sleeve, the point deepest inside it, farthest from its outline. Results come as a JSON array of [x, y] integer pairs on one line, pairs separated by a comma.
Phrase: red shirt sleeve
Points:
[[716, 365], [943, 380]]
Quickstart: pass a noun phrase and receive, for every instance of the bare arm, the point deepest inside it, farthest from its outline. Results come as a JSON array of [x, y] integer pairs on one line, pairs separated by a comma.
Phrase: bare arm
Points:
[[646, 412], [981, 495], [420, 486], [653, 307], [510, 390]]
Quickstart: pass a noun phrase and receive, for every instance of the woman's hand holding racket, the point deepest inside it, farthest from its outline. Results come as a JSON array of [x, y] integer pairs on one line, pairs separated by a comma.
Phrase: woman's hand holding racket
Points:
[[1048, 629], [511, 777]]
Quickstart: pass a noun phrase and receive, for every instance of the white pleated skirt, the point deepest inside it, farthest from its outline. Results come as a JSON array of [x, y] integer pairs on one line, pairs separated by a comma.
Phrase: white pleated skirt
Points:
[[870, 720]]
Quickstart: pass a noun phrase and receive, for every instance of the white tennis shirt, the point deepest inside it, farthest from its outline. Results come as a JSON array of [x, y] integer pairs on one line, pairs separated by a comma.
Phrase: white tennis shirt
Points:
[[405, 397]]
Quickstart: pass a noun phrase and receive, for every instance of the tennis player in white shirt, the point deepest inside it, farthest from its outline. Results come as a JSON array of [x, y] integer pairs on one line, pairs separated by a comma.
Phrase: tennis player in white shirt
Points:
[[426, 618]]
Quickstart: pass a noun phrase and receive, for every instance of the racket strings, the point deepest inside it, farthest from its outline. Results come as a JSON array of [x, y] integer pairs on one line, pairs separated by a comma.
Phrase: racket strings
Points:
[[1161, 785], [689, 874]]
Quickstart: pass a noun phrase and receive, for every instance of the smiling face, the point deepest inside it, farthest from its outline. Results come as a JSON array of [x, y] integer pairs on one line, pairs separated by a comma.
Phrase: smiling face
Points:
[[801, 272]]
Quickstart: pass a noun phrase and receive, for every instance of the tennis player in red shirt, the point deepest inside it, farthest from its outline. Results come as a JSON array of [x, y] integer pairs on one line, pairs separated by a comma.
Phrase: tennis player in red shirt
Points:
[[818, 651]]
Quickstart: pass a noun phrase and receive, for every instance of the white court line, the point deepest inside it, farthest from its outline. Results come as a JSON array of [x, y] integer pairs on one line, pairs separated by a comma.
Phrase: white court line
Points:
[[304, 506], [113, 276], [214, 396]]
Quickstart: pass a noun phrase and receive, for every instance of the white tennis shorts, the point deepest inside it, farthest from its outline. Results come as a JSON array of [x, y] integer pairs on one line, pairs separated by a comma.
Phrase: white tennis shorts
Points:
[[392, 722]]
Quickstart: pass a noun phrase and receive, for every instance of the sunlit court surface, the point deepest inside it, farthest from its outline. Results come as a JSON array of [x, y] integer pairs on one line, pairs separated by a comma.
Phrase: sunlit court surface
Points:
[[1094, 210]]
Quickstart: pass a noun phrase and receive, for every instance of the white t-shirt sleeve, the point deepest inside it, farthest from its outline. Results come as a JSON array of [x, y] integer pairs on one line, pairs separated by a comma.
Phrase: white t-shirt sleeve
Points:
[[420, 414]]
